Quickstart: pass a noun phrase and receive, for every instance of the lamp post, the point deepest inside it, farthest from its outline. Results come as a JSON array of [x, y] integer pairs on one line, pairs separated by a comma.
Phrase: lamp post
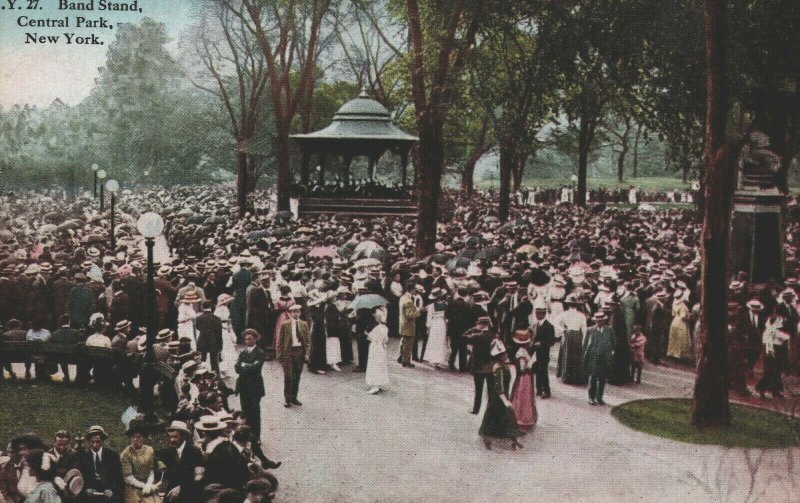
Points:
[[150, 225], [95, 167], [112, 186], [101, 175]]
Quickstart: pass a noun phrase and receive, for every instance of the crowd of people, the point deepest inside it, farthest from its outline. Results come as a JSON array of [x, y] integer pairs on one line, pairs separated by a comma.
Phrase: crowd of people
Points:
[[615, 289], [526, 196]]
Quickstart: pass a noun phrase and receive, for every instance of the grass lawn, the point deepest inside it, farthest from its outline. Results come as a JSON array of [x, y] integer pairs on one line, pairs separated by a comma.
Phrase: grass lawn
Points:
[[47, 408], [669, 418]]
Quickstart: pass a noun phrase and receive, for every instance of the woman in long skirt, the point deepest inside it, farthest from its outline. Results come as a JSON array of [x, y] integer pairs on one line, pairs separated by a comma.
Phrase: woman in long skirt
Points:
[[377, 367], [572, 323], [436, 350], [680, 341], [499, 420], [523, 394], [228, 355], [776, 356]]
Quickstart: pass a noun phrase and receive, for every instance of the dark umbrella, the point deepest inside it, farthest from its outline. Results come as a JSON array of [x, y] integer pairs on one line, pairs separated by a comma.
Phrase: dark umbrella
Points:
[[522, 223], [256, 235], [215, 220], [295, 253], [281, 232], [196, 219], [439, 258], [539, 277], [474, 242], [458, 262], [491, 252], [469, 253]]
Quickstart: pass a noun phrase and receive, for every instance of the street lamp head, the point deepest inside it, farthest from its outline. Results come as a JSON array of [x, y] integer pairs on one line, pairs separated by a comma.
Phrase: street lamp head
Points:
[[101, 174], [112, 186], [95, 167], [150, 225], [574, 178]]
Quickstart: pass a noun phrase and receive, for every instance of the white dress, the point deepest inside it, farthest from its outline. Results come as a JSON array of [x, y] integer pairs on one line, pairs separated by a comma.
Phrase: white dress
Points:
[[436, 350], [229, 354], [377, 367], [186, 316]]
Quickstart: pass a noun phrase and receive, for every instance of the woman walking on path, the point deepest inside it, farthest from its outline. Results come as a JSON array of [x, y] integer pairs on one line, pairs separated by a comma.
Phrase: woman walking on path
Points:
[[523, 394], [377, 366], [437, 330], [499, 420]]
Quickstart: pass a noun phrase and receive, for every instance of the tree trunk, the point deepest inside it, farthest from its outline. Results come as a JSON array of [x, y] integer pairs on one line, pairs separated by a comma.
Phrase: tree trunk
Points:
[[429, 186], [241, 182], [283, 182], [506, 168], [624, 151], [468, 177], [519, 170], [685, 170], [584, 145], [635, 166], [710, 407]]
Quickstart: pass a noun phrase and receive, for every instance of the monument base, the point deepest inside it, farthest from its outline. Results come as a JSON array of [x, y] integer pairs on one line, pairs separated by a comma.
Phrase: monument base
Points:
[[757, 234]]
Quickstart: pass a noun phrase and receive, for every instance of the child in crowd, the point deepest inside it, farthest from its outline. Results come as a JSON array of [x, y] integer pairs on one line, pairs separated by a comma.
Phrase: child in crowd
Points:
[[637, 343]]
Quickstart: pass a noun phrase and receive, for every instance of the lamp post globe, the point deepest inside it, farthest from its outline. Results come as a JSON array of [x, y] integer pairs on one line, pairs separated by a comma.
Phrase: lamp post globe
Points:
[[95, 167], [112, 186], [150, 225], [101, 174]]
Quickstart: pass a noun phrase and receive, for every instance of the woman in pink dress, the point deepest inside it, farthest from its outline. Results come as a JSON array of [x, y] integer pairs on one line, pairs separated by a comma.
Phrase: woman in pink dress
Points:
[[523, 395], [282, 305]]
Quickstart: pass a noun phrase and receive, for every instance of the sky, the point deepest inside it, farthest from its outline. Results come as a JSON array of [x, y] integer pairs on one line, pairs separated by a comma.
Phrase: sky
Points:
[[37, 74]]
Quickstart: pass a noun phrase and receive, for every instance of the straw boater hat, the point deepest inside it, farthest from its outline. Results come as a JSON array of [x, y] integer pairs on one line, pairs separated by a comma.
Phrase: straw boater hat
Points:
[[122, 325], [96, 430], [209, 424], [755, 305], [164, 270], [71, 483], [599, 316], [164, 335]]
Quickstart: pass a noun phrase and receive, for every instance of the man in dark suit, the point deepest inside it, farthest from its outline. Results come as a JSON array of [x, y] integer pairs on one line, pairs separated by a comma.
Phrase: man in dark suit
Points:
[[225, 463], [183, 463], [239, 283], [544, 336], [460, 313], [786, 310], [66, 458], [101, 469], [209, 335], [294, 348], [480, 360], [250, 384], [66, 335]]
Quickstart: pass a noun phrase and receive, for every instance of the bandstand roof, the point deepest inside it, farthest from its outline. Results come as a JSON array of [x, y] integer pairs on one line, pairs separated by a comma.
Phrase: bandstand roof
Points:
[[359, 124]]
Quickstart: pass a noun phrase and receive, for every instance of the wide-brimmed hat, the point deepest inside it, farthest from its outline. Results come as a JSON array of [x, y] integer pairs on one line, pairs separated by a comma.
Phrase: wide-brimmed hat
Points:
[[788, 293], [179, 426], [122, 325], [96, 430], [164, 335], [600, 316], [164, 270], [210, 423], [295, 307], [190, 297], [223, 299], [522, 336], [437, 293]]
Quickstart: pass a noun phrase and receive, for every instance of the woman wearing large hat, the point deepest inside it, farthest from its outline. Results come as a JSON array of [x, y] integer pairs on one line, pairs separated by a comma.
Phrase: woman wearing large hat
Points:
[[437, 349], [572, 325], [138, 467], [523, 396], [228, 355], [499, 420], [187, 315]]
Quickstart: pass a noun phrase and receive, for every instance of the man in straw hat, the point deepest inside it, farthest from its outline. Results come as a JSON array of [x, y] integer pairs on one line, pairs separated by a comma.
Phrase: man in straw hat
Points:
[[225, 464], [597, 358], [101, 468], [183, 465]]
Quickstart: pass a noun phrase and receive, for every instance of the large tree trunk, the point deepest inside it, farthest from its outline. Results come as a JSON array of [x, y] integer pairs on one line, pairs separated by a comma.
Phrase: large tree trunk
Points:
[[519, 169], [284, 182], [624, 151], [241, 182], [584, 145], [429, 186], [635, 166], [710, 407], [468, 177], [506, 168]]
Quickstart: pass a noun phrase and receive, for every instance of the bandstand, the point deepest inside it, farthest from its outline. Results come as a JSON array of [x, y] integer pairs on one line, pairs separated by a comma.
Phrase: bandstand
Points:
[[362, 127]]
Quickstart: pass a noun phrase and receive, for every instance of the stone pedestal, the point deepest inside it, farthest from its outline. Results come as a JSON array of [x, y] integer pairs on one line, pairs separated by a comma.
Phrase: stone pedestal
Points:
[[757, 234]]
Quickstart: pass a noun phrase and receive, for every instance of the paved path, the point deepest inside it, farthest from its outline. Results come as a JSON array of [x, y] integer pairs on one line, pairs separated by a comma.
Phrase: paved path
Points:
[[417, 442]]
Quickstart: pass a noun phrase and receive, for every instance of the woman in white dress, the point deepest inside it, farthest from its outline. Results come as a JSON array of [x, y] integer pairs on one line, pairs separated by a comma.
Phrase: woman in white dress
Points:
[[437, 350], [186, 317], [377, 367], [229, 355]]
